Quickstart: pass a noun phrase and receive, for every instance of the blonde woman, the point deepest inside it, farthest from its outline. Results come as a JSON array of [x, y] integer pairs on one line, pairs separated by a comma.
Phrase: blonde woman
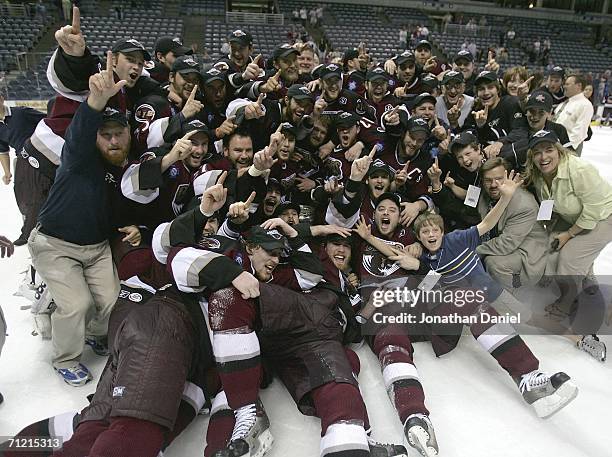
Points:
[[581, 224]]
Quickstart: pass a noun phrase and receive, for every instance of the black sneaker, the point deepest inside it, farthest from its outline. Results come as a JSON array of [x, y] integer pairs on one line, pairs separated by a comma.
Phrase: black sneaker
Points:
[[98, 344], [1, 398], [20, 241]]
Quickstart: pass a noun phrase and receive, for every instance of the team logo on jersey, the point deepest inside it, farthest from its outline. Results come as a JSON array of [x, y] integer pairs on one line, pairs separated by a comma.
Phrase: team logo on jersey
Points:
[[135, 297], [109, 178], [149, 65], [33, 162], [181, 196], [388, 107], [173, 172], [377, 264], [343, 100], [333, 167], [209, 243], [210, 118], [352, 85], [145, 114], [517, 115]]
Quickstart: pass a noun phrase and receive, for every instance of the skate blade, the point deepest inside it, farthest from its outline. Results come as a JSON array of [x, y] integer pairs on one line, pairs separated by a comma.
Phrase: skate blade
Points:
[[417, 438], [265, 441], [548, 406]]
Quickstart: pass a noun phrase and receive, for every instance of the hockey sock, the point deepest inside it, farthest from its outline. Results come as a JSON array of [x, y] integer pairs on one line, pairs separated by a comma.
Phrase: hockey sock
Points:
[[236, 346], [394, 351], [129, 437], [220, 426]]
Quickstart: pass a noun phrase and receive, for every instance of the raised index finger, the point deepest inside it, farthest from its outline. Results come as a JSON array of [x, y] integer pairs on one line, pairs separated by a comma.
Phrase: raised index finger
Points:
[[373, 151], [76, 20], [249, 200], [109, 62], [192, 94], [222, 177], [529, 80]]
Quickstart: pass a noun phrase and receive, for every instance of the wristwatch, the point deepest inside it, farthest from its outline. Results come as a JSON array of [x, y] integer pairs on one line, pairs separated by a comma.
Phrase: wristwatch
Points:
[[360, 319]]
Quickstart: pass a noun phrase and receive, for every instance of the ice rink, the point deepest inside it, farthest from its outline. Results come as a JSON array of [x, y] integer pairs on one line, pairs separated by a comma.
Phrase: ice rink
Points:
[[476, 409]]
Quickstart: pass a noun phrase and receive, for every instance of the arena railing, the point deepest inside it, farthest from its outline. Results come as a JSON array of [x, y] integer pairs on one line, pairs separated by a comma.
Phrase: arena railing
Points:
[[254, 18]]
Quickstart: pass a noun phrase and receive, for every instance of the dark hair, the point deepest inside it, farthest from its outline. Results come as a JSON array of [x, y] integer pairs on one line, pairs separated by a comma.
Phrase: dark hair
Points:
[[240, 131], [579, 79]]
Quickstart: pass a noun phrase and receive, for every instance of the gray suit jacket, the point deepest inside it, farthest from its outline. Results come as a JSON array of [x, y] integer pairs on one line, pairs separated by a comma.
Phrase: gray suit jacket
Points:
[[518, 232]]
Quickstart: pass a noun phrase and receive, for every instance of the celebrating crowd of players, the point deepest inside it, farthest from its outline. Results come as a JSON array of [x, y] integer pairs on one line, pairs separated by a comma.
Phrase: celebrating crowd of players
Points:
[[210, 228]]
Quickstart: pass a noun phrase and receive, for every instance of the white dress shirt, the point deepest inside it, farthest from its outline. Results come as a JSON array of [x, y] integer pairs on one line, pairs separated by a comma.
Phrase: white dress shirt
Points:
[[575, 115]]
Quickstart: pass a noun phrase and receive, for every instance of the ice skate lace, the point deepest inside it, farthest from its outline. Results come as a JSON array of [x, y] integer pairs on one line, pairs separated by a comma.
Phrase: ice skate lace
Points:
[[533, 380], [245, 419]]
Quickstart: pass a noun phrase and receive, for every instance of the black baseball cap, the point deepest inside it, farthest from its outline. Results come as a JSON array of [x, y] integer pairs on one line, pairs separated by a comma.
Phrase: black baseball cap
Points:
[[395, 198], [166, 44], [196, 125], [213, 74], [284, 51], [557, 71], [540, 99], [337, 238], [422, 98], [284, 206], [453, 76], [467, 55], [128, 45], [330, 70], [273, 182], [112, 115], [268, 239], [185, 65], [350, 54], [485, 77], [463, 139], [300, 92], [377, 74], [346, 120], [418, 124], [378, 166], [288, 127], [543, 136], [423, 43], [430, 81], [406, 56], [240, 37]]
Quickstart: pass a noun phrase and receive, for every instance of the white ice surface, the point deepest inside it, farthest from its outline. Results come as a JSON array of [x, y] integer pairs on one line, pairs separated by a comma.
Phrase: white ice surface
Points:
[[475, 407]]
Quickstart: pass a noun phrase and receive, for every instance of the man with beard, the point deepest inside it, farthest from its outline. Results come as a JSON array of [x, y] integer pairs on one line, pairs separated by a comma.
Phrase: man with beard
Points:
[[498, 117], [464, 63], [275, 82], [403, 152], [70, 246], [339, 99], [216, 100], [408, 81], [167, 50], [554, 85], [167, 179], [377, 92], [160, 119], [454, 106]]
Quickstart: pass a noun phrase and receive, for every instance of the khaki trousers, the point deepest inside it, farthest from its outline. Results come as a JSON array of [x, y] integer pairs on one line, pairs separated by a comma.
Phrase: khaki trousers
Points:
[[84, 285]]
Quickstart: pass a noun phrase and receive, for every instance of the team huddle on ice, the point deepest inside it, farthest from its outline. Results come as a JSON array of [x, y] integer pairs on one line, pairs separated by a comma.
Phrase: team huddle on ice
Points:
[[209, 229]]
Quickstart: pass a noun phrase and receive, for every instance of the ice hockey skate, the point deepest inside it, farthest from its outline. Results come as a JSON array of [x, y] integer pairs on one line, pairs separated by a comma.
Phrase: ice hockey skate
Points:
[[386, 449], [547, 394], [420, 435], [251, 436]]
